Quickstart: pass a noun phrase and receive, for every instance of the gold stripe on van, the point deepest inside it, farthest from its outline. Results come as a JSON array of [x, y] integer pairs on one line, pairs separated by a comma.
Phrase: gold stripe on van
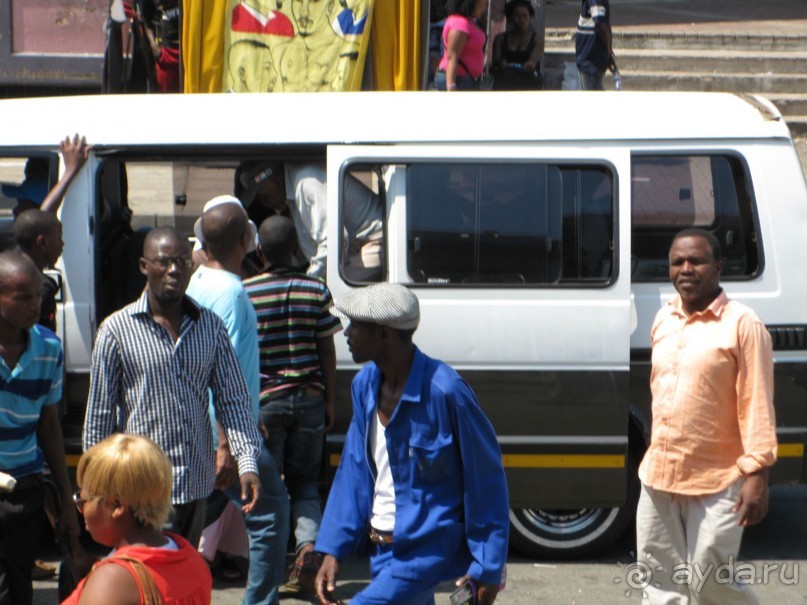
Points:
[[549, 460], [563, 460], [72, 459], [790, 450]]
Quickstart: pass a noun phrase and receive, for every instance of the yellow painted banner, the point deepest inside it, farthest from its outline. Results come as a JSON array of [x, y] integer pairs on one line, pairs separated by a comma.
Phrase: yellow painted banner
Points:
[[295, 45]]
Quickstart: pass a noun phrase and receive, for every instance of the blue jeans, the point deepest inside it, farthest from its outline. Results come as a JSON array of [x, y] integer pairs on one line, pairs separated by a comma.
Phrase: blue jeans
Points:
[[268, 530], [591, 81], [296, 425], [386, 589], [463, 82]]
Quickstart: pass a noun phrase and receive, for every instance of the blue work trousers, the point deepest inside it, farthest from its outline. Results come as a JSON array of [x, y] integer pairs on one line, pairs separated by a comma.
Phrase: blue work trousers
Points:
[[296, 425], [268, 531], [386, 589]]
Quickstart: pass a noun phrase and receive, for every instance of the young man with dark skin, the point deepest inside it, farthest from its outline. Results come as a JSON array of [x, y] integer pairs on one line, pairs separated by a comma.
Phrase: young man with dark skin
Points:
[[30, 388], [39, 236], [421, 467], [38, 231], [705, 474], [152, 365]]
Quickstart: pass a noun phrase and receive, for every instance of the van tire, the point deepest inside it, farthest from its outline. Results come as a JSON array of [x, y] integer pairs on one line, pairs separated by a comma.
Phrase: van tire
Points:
[[573, 533]]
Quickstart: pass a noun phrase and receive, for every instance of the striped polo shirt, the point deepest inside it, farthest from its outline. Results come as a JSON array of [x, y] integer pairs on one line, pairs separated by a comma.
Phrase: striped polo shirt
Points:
[[35, 381], [293, 312]]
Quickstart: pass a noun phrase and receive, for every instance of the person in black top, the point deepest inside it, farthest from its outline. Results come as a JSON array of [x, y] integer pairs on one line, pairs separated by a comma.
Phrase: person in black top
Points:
[[517, 53], [39, 236]]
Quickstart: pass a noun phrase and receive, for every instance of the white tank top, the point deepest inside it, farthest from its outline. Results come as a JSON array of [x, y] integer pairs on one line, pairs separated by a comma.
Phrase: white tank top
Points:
[[383, 517]]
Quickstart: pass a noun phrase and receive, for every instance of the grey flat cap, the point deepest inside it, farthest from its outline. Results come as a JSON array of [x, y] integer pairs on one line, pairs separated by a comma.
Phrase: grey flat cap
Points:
[[390, 305]]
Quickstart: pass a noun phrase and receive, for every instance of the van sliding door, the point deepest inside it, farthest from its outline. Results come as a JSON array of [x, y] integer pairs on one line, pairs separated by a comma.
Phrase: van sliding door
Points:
[[514, 253]]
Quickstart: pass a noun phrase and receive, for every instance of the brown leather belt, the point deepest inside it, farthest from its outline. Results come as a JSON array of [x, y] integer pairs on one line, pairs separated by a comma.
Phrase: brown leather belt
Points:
[[381, 538]]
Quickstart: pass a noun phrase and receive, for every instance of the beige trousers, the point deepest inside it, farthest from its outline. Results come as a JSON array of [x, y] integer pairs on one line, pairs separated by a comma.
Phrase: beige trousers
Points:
[[687, 546]]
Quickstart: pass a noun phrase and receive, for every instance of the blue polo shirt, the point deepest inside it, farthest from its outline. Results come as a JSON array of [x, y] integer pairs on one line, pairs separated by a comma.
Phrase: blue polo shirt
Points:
[[36, 381]]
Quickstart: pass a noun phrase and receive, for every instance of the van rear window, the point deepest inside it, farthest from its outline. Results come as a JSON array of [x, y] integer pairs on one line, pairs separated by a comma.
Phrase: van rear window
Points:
[[673, 192], [509, 224]]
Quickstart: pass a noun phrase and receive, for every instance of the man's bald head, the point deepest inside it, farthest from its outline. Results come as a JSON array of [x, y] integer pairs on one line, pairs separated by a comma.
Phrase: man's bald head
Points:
[[224, 227]]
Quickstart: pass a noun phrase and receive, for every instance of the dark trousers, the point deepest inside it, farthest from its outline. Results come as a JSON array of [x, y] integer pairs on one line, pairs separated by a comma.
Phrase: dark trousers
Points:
[[21, 516], [189, 520]]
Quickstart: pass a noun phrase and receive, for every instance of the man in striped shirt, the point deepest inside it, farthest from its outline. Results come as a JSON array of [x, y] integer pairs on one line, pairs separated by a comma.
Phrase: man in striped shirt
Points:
[[152, 365], [30, 430], [298, 371]]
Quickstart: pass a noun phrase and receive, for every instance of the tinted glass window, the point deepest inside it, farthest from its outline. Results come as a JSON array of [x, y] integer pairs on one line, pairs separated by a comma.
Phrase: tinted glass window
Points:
[[670, 193], [511, 224]]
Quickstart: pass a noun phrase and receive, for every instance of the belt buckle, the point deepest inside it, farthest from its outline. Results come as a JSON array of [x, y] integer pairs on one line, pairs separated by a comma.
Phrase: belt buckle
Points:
[[377, 539]]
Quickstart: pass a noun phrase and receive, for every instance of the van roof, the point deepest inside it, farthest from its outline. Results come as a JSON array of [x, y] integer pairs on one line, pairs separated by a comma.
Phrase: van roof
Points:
[[388, 117]]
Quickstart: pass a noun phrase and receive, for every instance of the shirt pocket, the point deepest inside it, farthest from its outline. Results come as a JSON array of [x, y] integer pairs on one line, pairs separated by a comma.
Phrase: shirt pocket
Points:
[[432, 454]]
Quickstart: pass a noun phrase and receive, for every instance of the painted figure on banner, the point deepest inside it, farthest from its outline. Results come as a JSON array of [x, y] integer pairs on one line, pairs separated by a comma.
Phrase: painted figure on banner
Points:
[[296, 45]]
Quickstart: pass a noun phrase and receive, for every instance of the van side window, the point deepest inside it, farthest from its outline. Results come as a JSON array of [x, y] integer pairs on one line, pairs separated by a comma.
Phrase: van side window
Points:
[[713, 192], [509, 224]]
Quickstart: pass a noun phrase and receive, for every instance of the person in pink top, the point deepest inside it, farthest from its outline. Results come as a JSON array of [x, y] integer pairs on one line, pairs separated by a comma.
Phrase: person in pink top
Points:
[[464, 41], [705, 474], [125, 497]]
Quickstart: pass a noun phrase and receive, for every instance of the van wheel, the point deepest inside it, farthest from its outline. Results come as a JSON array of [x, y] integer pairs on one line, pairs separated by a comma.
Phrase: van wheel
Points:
[[570, 533]]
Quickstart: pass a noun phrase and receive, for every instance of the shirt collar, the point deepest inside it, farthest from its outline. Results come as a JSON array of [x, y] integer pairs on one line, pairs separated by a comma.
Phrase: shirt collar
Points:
[[414, 383], [715, 307], [141, 306]]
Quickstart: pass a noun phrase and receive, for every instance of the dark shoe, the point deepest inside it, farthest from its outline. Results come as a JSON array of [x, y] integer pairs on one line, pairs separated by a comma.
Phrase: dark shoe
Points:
[[303, 573]]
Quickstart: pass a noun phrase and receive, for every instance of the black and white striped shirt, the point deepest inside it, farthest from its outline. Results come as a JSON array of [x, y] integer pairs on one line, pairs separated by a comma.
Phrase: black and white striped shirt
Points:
[[143, 382]]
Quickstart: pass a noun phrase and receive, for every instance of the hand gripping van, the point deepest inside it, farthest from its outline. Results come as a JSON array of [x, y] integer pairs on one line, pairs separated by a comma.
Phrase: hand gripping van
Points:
[[533, 227]]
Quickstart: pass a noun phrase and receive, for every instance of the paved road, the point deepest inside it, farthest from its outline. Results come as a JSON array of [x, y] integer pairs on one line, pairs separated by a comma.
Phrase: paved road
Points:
[[778, 545]]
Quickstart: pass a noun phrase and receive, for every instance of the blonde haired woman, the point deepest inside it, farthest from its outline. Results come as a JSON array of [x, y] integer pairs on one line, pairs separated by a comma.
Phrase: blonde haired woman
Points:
[[125, 497]]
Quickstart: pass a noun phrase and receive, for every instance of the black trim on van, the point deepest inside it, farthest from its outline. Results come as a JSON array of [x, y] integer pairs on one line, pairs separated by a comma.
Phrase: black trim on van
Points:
[[785, 338]]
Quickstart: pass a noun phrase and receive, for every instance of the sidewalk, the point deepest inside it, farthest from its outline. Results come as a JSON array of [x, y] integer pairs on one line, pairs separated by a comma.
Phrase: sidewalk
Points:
[[738, 17]]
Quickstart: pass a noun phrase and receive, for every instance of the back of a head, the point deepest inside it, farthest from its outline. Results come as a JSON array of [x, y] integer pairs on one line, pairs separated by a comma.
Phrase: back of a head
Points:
[[13, 262], [223, 227], [133, 469], [30, 224], [278, 239]]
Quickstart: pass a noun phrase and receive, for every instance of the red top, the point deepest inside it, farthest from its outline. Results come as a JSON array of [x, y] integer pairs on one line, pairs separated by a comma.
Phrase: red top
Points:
[[181, 576]]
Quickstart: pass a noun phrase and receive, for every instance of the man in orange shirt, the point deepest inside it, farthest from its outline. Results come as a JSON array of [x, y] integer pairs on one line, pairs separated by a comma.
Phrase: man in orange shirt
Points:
[[705, 475]]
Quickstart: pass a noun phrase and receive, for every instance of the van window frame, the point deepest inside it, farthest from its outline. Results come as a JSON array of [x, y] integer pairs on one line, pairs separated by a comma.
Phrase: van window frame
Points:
[[746, 200], [404, 160]]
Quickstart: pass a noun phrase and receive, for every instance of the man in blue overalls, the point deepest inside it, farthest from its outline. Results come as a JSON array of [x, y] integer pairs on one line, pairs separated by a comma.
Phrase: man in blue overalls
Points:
[[421, 473]]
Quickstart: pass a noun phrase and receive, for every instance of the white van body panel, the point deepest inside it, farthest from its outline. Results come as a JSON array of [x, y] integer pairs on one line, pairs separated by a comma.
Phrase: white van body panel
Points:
[[524, 329], [391, 117]]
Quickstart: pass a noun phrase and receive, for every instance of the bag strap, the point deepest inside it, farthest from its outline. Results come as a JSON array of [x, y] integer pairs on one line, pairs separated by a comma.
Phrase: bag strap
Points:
[[467, 71], [151, 593]]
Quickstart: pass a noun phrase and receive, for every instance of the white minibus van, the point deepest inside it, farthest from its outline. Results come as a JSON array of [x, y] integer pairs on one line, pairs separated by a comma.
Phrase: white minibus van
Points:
[[533, 226]]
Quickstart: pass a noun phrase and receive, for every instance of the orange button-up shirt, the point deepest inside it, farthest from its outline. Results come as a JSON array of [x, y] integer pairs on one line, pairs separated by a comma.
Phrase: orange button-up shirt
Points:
[[712, 386]]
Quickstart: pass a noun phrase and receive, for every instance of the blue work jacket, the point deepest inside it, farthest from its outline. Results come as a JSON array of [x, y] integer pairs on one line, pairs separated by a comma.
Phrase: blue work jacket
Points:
[[451, 504]]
